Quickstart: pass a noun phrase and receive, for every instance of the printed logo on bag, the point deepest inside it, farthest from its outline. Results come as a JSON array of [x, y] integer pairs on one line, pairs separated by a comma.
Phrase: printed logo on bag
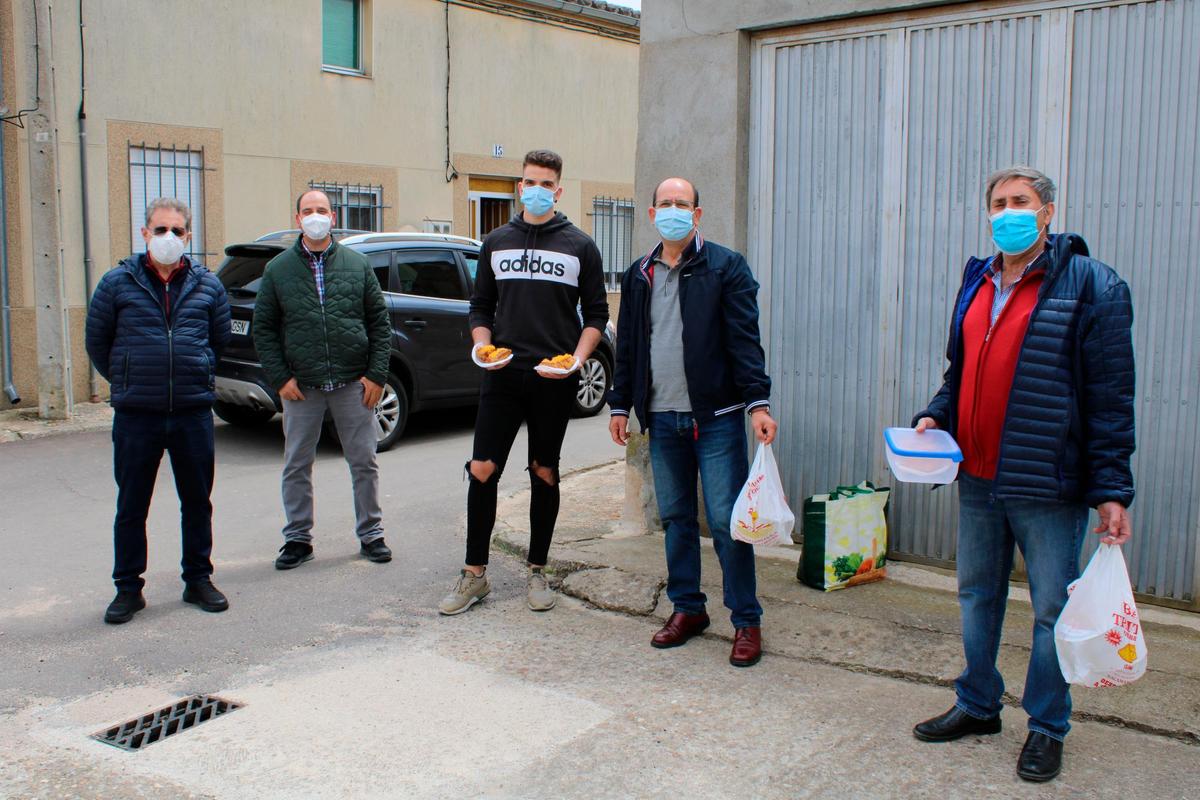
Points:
[[542, 265], [1114, 637], [756, 530], [1128, 625], [1128, 653]]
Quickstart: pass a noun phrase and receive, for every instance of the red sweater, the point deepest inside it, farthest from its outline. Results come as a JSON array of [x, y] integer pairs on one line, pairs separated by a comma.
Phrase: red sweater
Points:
[[989, 363]]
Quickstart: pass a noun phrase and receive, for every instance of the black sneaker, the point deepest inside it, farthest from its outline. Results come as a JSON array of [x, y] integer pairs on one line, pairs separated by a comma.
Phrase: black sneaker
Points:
[[376, 551], [293, 554], [204, 594], [123, 607]]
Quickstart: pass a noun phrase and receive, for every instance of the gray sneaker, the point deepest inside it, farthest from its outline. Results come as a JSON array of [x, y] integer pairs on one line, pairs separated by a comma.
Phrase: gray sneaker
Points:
[[467, 591], [541, 596]]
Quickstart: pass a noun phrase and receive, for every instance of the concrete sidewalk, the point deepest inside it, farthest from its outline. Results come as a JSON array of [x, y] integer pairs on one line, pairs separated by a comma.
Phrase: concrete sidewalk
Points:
[[906, 628], [17, 424]]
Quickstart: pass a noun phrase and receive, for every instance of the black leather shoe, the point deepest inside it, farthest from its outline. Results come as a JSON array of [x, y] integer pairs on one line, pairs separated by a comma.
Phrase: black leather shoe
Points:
[[123, 607], [293, 554], [1040, 759], [376, 551], [205, 595], [955, 724]]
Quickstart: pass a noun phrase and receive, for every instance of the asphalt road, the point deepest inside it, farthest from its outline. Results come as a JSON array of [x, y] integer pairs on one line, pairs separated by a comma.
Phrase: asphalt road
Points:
[[56, 536], [355, 688]]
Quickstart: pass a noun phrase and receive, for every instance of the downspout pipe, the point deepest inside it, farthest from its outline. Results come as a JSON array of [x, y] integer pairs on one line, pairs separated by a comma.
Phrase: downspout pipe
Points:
[[10, 389], [93, 391]]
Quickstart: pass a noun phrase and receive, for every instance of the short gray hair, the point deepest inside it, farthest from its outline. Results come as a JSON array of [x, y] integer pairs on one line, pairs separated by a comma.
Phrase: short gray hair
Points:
[[169, 204], [1039, 180]]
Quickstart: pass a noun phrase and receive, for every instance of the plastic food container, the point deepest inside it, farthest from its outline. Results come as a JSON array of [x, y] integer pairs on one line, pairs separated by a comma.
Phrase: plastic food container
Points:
[[929, 457]]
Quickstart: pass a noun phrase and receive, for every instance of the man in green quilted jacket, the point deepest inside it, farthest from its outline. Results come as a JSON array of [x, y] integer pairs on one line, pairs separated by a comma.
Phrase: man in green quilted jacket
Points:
[[322, 334]]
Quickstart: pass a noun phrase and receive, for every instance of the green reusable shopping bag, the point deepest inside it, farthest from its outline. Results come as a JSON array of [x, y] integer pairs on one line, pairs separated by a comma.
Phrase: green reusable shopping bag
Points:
[[844, 537]]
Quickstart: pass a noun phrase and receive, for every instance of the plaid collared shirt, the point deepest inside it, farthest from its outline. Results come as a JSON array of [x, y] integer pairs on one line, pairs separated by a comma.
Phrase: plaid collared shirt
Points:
[[317, 262], [1003, 293]]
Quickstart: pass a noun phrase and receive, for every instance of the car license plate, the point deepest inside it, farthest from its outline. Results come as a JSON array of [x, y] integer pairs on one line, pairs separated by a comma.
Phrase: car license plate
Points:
[[241, 326]]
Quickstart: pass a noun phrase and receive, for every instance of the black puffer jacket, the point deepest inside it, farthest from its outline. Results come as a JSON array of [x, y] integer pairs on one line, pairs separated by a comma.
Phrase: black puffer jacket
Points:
[[1069, 428], [155, 362]]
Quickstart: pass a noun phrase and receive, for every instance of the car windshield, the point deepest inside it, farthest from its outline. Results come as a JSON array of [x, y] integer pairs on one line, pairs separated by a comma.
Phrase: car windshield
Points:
[[243, 273]]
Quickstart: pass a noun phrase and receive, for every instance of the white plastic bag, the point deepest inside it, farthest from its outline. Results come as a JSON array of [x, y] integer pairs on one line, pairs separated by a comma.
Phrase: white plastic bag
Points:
[[761, 514], [1098, 635]]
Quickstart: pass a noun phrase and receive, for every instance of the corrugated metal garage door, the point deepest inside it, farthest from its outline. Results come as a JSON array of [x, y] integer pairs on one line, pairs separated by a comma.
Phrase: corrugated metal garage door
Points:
[[870, 144], [1133, 191], [828, 159]]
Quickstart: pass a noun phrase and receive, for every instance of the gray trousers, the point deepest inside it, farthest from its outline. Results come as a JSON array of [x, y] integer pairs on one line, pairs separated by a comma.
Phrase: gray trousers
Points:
[[302, 420]]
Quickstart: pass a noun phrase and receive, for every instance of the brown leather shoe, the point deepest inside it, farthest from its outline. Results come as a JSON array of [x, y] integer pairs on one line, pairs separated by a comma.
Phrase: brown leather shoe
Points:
[[679, 628], [747, 647]]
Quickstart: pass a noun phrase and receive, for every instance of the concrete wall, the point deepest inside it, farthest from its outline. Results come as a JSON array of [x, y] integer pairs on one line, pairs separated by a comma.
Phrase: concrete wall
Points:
[[245, 81], [694, 101]]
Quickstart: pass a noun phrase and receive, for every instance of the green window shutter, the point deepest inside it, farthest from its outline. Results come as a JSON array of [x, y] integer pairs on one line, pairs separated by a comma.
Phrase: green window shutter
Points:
[[339, 34]]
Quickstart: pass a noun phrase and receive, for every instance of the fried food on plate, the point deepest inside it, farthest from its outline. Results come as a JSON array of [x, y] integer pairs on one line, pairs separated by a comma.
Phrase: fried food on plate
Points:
[[490, 354], [564, 361]]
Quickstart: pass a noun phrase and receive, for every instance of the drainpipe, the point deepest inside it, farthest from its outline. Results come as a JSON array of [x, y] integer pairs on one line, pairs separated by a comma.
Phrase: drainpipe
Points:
[[10, 389], [93, 391]]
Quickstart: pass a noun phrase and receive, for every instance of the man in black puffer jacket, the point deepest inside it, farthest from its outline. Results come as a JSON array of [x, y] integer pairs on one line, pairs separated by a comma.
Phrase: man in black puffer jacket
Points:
[[156, 325], [1039, 396]]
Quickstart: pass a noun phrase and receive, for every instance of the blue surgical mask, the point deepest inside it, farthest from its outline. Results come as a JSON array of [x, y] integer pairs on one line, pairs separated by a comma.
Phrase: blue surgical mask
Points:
[[537, 200], [673, 223], [1014, 230]]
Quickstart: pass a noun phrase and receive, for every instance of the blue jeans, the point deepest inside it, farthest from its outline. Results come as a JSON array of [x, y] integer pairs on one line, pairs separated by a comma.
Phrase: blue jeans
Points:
[[1050, 535], [139, 440], [717, 449]]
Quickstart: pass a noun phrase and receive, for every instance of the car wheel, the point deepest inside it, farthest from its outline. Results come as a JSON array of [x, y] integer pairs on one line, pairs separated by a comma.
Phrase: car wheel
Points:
[[242, 416], [593, 386], [391, 413]]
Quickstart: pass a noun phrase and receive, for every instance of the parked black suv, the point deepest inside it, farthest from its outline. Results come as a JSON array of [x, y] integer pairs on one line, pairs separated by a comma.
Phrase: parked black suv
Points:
[[427, 280]]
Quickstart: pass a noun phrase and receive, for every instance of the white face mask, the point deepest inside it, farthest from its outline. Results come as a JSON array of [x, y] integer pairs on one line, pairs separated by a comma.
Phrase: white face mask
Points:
[[166, 249], [316, 226]]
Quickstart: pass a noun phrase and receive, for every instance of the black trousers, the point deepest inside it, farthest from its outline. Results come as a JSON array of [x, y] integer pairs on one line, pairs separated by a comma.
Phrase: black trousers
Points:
[[507, 398], [139, 441]]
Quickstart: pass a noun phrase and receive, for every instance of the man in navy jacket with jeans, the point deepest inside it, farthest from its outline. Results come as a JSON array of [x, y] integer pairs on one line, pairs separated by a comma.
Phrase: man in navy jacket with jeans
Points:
[[156, 325], [1039, 395], [689, 362]]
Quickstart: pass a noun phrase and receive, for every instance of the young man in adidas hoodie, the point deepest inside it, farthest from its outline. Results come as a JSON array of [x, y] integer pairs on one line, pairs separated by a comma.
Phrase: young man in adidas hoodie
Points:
[[533, 274]]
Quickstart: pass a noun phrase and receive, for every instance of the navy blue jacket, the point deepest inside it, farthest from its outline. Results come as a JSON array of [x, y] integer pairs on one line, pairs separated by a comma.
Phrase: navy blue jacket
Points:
[[1068, 430], [154, 363], [723, 359]]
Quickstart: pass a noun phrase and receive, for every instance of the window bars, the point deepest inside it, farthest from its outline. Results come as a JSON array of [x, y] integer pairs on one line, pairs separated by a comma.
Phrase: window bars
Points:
[[612, 225], [356, 206], [166, 171]]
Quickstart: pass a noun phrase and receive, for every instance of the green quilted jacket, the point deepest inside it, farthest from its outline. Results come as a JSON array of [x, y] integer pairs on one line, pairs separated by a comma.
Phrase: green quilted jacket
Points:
[[296, 337]]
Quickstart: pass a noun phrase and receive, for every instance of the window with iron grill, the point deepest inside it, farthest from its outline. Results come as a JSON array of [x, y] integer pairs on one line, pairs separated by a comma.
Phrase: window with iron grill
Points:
[[612, 225], [355, 206], [157, 171]]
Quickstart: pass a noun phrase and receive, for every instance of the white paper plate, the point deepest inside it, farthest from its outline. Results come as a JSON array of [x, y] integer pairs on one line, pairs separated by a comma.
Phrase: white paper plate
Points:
[[489, 364], [539, 369]]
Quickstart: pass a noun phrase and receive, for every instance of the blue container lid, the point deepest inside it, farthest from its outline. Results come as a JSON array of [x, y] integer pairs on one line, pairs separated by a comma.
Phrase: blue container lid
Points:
[[930, 444]]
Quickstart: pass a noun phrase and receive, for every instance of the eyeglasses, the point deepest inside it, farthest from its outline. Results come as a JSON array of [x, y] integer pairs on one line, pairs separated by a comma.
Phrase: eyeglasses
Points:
[[684, 204], [161, 229]]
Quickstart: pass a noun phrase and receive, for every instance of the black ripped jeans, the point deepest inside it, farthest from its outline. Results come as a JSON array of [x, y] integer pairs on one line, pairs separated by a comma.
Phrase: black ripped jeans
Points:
[[507, 398]]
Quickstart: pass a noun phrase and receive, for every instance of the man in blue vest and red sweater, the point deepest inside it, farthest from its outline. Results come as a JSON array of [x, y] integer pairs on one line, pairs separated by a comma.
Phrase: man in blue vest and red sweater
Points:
[[155, 327], [1039, 396]]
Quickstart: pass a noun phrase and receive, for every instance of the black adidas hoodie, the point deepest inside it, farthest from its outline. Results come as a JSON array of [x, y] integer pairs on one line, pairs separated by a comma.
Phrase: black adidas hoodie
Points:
[[530, 279]]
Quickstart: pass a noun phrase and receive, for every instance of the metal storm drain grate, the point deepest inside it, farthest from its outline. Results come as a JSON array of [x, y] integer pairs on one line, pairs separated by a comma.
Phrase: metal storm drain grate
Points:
[[158, 725]]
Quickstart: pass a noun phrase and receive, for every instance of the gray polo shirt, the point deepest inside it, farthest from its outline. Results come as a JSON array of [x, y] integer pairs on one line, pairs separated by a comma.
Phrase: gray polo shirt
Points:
[[668, 385]]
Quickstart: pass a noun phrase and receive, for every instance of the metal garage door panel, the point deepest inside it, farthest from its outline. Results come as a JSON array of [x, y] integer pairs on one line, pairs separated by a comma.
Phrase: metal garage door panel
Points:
[[973, 106], [825, 257], [1132, 192]]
